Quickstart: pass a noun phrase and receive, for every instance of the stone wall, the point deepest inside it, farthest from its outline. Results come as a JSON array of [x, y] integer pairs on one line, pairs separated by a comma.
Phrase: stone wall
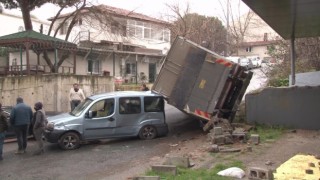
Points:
[[52, 90]]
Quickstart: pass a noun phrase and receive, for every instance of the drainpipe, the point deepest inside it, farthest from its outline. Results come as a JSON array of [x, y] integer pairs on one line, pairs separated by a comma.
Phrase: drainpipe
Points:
[[136, 69], [20, 60], [55, 57], [114, 63]]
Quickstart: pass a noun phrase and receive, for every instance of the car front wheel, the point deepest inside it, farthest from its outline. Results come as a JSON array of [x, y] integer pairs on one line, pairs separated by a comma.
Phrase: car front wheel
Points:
[[69, 141], [148, 132]]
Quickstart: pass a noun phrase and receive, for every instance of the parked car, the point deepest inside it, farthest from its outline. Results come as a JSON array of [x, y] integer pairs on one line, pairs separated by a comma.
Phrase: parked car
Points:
[[10, 133], [247, 63], [234, 59], [256, 61], [109, 115]]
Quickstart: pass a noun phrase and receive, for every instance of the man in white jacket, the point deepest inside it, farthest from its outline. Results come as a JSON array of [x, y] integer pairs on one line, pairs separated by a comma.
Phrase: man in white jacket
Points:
[[75, 96]]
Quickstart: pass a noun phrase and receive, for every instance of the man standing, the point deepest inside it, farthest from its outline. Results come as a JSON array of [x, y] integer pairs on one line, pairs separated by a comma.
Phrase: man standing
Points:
[[3, 127], [39, 124], [20, 118], [75, 96]]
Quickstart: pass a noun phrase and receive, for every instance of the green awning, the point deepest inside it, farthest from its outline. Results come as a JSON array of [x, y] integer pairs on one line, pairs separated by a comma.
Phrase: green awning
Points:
[[35, 40]]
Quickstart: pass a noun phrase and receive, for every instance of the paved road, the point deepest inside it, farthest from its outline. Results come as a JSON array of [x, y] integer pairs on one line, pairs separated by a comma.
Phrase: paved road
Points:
[[108, 159]]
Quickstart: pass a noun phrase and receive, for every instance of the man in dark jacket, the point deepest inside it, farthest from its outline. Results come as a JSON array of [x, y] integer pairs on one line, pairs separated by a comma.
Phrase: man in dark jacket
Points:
[[39, 124], [20, 118], [3, 127]]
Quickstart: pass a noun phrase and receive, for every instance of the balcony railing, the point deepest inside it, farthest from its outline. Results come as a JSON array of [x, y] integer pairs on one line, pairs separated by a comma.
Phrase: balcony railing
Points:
[[15, 70]]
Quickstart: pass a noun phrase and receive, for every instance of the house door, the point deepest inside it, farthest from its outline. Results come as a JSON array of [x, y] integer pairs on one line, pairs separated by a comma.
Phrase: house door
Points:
[[152, 72]]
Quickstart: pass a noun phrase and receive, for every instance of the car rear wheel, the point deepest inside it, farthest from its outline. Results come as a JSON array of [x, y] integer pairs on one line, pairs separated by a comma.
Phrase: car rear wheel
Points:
[[148, 132], [69, 141]]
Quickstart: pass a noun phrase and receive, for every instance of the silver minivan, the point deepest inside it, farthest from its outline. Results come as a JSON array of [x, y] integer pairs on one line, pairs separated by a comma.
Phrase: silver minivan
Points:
[[109, 115]]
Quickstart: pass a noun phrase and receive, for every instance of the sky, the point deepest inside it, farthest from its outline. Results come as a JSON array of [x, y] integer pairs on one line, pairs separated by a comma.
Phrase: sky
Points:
[[154, 8]]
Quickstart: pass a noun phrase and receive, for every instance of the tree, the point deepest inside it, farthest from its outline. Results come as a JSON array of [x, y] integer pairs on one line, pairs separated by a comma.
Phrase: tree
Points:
[[237, 22], [26, 6], [199, 29]]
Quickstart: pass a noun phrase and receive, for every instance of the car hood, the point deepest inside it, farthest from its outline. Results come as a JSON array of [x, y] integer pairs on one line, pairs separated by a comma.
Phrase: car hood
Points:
[[61, 118]]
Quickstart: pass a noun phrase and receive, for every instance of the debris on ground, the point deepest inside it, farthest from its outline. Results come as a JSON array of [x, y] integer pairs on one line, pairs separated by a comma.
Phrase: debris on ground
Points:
[[232, 172]]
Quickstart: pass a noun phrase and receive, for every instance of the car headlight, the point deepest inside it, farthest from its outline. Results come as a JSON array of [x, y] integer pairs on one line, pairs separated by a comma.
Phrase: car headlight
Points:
[[50, 126], [59, 126]]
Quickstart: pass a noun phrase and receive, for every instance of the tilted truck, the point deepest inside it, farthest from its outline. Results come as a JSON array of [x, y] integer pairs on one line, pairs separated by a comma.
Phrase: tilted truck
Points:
[[201, 82]]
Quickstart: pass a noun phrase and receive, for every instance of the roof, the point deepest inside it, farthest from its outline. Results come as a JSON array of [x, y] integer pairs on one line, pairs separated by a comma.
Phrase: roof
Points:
[[122, 13], [259, 43], [36, 39], [297, 18], [123, 94]]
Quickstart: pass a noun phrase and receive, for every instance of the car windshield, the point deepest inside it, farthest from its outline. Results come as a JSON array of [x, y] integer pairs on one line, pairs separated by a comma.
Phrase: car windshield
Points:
[[81, 107]]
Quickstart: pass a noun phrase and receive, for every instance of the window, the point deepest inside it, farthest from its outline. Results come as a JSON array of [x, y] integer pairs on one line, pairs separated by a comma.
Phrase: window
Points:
[[94, 66], [129, 105], [153, 104], [102, 108], [131, 68], [249, 49], [64, 28], [145, 30]]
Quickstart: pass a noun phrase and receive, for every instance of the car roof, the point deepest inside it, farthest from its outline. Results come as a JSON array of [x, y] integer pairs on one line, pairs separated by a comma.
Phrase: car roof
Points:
[[124, 94]]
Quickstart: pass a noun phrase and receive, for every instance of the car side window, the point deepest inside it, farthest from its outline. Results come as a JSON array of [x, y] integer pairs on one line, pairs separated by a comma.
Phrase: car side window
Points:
[[129, 105], [102, 108], [153, 104]]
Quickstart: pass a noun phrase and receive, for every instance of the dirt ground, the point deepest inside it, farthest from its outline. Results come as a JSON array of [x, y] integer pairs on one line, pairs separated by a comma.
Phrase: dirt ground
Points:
[[269, 154]]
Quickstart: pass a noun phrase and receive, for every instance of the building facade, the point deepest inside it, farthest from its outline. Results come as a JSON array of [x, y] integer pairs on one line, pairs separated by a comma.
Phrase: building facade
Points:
[[112, 42], [118, 42]]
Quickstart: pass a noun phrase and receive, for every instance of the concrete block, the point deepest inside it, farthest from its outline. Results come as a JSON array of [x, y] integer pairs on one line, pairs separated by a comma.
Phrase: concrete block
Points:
[[146, 178], [177, 161], [255, 139], [214, 148], [217, 131], [165, 169], [220, 140], [256, 173]]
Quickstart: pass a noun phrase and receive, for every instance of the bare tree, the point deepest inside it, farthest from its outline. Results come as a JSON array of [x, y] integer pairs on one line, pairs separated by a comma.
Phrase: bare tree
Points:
[[239, 22], [198, 28]]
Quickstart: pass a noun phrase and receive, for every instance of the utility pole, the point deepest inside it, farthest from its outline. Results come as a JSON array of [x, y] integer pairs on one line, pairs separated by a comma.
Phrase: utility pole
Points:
[[227, 36]]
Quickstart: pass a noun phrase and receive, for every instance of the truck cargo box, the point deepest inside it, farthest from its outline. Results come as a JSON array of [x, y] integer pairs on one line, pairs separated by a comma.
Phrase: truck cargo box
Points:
[[201, 82]]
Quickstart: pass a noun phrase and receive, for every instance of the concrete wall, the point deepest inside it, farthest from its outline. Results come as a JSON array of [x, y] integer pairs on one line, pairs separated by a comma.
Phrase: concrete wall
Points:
[[52, 90], [295, 107]]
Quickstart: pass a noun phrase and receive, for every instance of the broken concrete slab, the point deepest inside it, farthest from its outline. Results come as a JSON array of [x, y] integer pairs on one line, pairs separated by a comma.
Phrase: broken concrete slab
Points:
[[255, 139], [177, 161], [170, 169], [146, 178]]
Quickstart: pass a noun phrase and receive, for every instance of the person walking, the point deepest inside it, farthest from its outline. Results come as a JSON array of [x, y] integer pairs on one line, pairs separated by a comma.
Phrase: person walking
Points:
[[39, 123], [75, 96], [4, 125], [20, 119], [144, 87]]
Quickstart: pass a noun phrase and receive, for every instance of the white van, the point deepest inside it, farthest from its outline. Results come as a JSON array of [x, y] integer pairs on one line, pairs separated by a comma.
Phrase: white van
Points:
[[109, 115]]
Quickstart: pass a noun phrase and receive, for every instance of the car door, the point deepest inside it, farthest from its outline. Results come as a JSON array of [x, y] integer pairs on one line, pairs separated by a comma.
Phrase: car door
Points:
[[130, 116], [100, 121]]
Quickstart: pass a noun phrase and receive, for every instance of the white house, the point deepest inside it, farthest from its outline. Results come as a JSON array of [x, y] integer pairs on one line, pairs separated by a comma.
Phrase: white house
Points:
[[128, 44], [121, 43], [258, 37]]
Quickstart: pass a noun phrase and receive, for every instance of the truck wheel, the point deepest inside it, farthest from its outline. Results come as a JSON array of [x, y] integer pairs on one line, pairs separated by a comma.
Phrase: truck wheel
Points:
[[69, 141], [148, 132]]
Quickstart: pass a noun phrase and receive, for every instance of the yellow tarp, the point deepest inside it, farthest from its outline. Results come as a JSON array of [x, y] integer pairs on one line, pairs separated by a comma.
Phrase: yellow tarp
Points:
[[295, 168]]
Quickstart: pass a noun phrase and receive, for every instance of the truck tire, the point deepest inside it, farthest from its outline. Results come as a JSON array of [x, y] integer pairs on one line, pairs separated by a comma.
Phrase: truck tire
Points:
[[69, 141], [148, 132]]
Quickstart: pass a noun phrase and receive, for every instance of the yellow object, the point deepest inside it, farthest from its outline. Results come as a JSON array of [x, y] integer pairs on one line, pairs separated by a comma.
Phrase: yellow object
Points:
[[202, 84], [297, 167]]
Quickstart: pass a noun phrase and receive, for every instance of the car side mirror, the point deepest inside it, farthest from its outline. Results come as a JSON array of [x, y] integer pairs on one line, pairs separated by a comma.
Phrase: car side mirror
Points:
[[88, 114]]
